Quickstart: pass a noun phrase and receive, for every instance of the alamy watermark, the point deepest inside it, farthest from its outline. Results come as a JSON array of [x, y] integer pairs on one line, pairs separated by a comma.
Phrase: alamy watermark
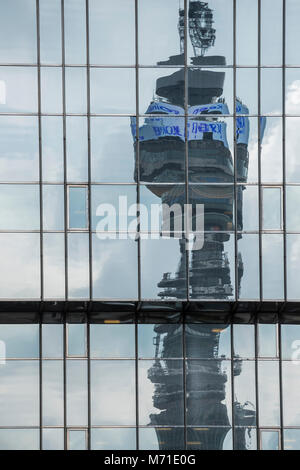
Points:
[[137, 220]]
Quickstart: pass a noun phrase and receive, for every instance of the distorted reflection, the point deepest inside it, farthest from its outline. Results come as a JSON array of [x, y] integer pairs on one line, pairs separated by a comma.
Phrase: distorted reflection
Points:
[[211, 169]]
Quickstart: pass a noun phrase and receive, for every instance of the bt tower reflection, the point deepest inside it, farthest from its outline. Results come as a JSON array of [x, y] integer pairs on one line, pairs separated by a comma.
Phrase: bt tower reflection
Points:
[[210, 161]]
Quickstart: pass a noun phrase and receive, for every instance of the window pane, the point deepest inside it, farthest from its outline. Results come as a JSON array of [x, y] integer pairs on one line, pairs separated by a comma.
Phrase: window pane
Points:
[[271, 90], [52, 149], [290, 393], [19, 439], [292, 32], [208, 382], [53, 393], [105, 46], [113, 438], [272, 208], [20, 265], [77, 440], [292, 208], [269, 440], [109, 164], [243, 341], [163, 341], [18, 87], [267, 336], [76, 339], [77, 149], [52, 341], [76, 91], [78, 265], [271, 20], [75, 31], [54, 265], [271, 151], [161, 438], [207, 341], [51, 90], [77, 394], [78, 216], [248, 208], [247, 32], [247, 87], [112, 341], [19, 207], [248, 278], [272, 266], [268, 389], [21, 341], [115, 268], [244, 392], [292, 101], [113, 392], [291, 150], [19, 148], [290, 342], [50, 31], [113, 91], [291, 439], [53, 207], [53, 439], [293, 253], [18, 32], [161, 400], [19, 393], [209, 438]]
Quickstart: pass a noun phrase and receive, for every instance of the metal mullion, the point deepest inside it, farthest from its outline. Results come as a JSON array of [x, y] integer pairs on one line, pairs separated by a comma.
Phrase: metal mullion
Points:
[[256, 384], [280, 386], [137, 170], [235, 176], [259, 154]]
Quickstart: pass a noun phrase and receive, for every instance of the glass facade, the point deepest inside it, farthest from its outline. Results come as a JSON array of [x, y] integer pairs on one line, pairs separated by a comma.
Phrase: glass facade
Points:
[[165, 274]]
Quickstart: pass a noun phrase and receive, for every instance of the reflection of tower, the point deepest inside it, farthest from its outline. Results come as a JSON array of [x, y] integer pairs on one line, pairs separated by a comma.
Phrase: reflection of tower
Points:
[[162, 146]]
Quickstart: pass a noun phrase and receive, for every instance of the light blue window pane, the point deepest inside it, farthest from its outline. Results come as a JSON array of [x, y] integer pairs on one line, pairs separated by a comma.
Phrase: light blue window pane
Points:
[[292, 32], [76, 91], [50, 31], [161, 438], [272, 264], [77, 149], [54, 265], [267, 337], [271, 151], [269, 440], [243, 341], [271, 20], [113, 438], [18, 32], [19, 148], [52, 149], [19, 439], [290, 342], [77, 393], [244, 392], [249, 211], [292, 102], [20, 341], [77, 440], [20, 265], [18, 90], [247, 88], [76, 337], [271, 91], [53, 439], [291, 150], [248, 278], [205, 438], [291, 439], [112, 341], [19, 207], [78, 265], [52, 341], [293, 258], [53, 207], [75, 31], [78, 217], [113, 91], [292, 206], [19, 394], [53, 393], [268, 393], [247, 32], [272, 208], [107, 48], [290, 393], [51, 90]]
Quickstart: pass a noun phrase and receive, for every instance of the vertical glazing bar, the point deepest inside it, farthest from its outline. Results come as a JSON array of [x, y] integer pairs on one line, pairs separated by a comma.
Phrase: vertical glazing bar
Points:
[[280, 386], [88, 378], [232, 382], [235, 167], [256, 383], [64, 147], [89, 147], [260, 212], [41, 380], [283, 146], [137, 171], [65, 381]]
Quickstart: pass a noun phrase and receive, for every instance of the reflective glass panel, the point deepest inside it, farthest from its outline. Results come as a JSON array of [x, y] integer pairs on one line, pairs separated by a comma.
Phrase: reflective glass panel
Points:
[[248, 278], [20, 341], [272, 266], [161, 399], [54, 265], [77, 439], [113, 438], [75, 31], [244, 392], [161, 438], [76, 339], [53, 393], [243, 341], [271, 150], [291, 439], [19, 150], [246, 88], [272, 210], [53, 439], [267, 337], [292, 95], [208, 382], [271, 90], [268, 393], [247, 32], [19, 439], [214, 438], [77, 149], [53, 207], [52, 341], [18, 32], [76, 90], [18, 90], [247, 157], [77, 394], [19, 207], [271, 20], [115, 267], [269, 440], [290, 393], [293, 253], [78, 211], [163, 341], [247, 208], [51, 90], [292, 32], [292, 150], [107, 48], [112, 91], [207, 341], [20, 265], [52, 149], [112, 341], [112, 153], [292, 208], [78, 265], [113, 392], [50, 31], [19, 393]]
